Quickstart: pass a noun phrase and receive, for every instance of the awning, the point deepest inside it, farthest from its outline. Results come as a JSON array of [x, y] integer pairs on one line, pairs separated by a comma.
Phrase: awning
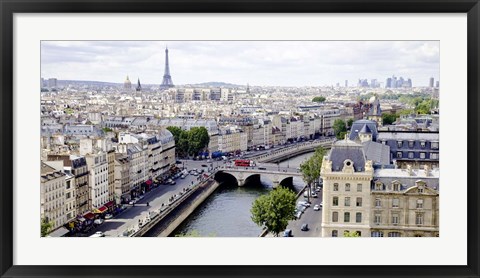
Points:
[[89, 215], [59, 232], [110, 204], [101, 209]]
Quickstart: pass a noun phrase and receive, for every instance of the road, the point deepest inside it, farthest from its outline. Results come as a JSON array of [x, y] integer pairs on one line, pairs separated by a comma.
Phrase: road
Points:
[[311, 217], [129, 218]]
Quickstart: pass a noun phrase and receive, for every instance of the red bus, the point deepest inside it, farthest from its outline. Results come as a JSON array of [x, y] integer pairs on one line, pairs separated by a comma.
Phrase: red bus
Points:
[[244, 162]]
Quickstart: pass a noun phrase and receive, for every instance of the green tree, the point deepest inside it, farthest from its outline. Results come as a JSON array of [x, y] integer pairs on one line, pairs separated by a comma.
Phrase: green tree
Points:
[[350, 234], [107, 129], [45, 227], [338, 127], [310, 169], [388, 118], [350, 123], [319, 99], [198, 140], [274, 209], [176, 132]]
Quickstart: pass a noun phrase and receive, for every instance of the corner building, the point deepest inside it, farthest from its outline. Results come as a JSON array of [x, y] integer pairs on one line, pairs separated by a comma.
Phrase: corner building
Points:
[[376, 203]]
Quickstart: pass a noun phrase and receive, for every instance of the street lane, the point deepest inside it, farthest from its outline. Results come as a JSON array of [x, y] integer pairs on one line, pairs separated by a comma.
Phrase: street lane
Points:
[[311, 217]]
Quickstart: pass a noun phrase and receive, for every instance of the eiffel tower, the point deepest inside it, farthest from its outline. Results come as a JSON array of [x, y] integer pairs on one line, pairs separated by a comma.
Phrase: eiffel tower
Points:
[[167, 78]]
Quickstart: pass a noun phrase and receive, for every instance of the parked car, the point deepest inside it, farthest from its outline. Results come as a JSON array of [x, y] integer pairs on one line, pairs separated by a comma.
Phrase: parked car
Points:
[[298, 215], [98, 221], [304, 227], [316, 207], [108, 216], [182, 177], [132, 202], [314, 195], [287, 233], [98, 234], [173, 182]]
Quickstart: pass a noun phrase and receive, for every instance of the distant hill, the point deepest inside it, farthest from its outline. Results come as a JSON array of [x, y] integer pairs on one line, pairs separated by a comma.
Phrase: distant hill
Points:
[[62, 83]]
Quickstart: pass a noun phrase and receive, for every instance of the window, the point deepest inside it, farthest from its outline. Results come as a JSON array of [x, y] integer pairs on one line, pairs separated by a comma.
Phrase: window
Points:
[[335, 216], [377, 234], [399, 154], [411, 144], [422, 144], [435, 145], [68, 185], [334, 233], [396, 187], [433, 155], [346, 217], [410, 154], [395, 203], [67, 196], [394, 234], [395, 218], [359, 187], [419, 219], [399, 144], [419, 203], [358, 217], [422, 155], [335, 201], [359, 233], [377, 219], [359, 201], [347, 201], [347, 187], [335, 187], [379, 186], [420, 189], [378, 202]]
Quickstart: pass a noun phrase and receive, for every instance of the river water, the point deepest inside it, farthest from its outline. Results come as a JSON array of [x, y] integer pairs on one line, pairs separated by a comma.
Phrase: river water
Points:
[[226, 213]]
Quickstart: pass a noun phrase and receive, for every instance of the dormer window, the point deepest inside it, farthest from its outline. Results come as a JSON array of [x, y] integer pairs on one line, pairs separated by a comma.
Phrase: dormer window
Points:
[[396, 187], [399, 144], [422, 144], [378, 186], [411, 143]]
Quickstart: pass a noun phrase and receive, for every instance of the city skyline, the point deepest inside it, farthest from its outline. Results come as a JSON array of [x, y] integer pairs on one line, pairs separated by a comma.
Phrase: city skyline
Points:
[[262, 63]]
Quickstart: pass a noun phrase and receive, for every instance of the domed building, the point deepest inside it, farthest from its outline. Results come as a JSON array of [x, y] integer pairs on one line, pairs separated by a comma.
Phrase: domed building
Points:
[[375, 112], [127, 85]]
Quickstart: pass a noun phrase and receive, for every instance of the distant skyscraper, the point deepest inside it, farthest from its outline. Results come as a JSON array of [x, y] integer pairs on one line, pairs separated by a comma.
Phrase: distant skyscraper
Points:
[[409, 82], [127, 84], [431, 82], [437, 84], [346, 83], [167, 78], [388, 83]]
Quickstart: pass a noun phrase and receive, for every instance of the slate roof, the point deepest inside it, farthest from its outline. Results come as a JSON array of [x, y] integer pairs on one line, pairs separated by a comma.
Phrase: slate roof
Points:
[[357, 126], [376, 152], [347, 149], [387, 176]]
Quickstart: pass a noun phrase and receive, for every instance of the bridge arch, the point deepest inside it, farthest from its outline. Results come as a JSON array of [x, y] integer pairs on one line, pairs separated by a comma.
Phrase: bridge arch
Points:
[[223, 177]]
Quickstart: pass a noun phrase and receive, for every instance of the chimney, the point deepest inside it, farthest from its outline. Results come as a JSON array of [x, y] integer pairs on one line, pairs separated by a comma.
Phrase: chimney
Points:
[[409, 170]]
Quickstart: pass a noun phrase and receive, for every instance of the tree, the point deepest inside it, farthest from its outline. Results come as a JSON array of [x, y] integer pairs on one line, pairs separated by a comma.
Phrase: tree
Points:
[[350, 123], [350, 234], [274, 209], [388, 119], [311, 168], [45, 227], [338, 127], [319, 99], [197, 140]]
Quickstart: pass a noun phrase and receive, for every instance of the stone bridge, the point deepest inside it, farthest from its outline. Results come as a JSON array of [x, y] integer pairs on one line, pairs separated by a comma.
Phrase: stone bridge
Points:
[[280, 154], [278, 175]]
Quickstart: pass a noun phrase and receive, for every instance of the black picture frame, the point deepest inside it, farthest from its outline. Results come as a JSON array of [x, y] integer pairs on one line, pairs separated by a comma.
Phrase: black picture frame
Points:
[[9, 7]]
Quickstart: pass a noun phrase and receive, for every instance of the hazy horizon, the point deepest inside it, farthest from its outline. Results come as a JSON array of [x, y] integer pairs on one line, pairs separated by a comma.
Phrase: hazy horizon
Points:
[[258, 63]]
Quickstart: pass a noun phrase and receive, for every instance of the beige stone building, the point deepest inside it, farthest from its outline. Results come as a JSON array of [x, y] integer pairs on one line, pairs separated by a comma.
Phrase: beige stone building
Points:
[[111, 174], [376, 203], [52, 196]]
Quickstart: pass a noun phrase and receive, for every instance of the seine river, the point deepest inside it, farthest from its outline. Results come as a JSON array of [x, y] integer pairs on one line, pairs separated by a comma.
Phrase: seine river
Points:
[[226, 213]]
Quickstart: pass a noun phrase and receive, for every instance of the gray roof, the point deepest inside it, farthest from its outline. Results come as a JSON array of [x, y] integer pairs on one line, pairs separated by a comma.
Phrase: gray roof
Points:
[[357, 126], [347, 149], [388, 176], [378, 153], [433, 136]]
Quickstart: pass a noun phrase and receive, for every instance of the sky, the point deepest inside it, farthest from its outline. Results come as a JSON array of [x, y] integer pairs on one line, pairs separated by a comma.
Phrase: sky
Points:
[[258, 63]]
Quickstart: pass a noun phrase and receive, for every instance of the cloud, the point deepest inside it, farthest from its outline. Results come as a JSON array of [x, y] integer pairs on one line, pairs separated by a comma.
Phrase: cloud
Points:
[[256, 62]]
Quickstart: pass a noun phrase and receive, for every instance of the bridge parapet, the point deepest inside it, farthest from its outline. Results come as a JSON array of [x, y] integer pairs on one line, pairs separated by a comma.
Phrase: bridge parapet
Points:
[[292, 151], [276, 176]]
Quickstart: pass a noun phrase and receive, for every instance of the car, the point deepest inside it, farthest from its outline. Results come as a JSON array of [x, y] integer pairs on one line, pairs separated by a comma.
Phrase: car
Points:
[[287, 233], [108, 216], [314, 195], [204, 165], [262, 168], [301, 208], [98, 234], [321, 204], [173, 182], [316, 207], [132, 202], [98, 221], [298, 215], [195, 174], [304, 227], [304, 203], [182, 177]]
